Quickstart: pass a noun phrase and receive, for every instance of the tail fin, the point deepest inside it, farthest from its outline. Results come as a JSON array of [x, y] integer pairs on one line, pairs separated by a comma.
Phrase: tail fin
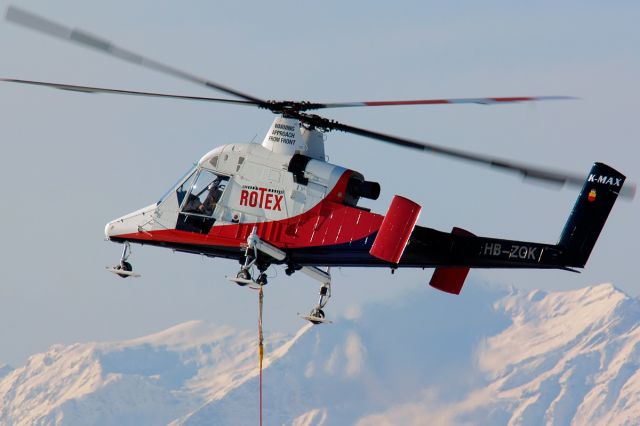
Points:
[[589, 214]]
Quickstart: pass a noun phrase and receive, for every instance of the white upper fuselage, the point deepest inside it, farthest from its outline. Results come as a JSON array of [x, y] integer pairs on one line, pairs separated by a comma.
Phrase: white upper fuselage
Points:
[[260, 186]]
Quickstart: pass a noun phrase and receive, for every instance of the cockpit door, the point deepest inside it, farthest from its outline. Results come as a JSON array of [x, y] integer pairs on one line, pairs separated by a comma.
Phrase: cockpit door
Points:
[[199, 203]]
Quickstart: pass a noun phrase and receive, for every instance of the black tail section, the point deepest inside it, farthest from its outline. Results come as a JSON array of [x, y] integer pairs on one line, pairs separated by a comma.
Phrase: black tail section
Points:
[[589, 214]]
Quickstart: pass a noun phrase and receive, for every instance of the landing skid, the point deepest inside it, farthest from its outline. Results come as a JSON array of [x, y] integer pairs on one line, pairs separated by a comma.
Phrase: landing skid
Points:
[[245, 282], [122, 273], [124, 268], [315, 320], [241, 281]]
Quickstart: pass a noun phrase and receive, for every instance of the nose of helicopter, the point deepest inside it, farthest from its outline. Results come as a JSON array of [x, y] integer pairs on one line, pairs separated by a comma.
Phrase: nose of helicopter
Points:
[[131, 223]]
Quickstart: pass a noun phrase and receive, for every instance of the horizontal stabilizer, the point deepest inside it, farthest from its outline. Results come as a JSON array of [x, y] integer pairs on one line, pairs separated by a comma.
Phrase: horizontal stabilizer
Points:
[[395, 230], [451, 280]]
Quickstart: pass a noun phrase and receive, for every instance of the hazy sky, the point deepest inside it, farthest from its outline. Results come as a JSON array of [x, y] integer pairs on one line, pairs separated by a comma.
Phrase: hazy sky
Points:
[[72, 162]]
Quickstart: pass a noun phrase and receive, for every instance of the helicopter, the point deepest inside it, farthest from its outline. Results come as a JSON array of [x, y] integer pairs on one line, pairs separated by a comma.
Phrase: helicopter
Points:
[[281, 202]]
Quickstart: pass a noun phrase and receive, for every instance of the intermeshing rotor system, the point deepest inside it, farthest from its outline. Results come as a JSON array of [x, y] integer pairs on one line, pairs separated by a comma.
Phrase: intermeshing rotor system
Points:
[[308, 135]]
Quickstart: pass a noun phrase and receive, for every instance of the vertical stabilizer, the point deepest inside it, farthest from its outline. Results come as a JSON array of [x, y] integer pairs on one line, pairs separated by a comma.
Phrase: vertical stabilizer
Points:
[[589, 214]]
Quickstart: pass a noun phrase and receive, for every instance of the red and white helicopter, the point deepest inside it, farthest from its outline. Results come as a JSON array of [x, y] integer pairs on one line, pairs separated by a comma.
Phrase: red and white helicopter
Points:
[[281, 203]]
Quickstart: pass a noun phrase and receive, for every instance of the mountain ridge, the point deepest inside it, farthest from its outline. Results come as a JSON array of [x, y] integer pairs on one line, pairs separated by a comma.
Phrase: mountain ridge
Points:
[[491, 356]]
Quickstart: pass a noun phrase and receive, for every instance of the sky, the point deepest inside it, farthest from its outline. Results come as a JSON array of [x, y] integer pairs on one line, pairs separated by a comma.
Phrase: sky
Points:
[[72, 162]]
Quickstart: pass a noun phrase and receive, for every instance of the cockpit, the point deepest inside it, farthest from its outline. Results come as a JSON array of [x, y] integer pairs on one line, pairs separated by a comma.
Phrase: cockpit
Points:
[[202, 193], [198, 197]]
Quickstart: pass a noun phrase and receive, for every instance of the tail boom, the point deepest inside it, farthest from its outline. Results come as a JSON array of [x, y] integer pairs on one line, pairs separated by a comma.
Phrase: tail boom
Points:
[[452, 254]]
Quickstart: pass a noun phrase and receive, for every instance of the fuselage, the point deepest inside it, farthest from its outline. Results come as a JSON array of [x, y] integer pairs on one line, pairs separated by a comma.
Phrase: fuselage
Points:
[[295, 201], [309, 209], [305, 207]]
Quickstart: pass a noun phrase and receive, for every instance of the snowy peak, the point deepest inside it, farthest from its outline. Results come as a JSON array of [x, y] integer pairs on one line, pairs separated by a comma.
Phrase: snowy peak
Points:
[[188, 334], [567, 357], [587, 303], [46, 379], [551, 321], [150, 380]]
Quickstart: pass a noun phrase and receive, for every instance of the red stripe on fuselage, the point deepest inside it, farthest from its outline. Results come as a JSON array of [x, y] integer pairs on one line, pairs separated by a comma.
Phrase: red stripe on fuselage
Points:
[[327, 223]]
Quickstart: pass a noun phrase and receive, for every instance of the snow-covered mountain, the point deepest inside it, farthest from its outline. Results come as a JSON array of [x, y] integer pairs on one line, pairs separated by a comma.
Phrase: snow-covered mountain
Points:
[[489, 356]]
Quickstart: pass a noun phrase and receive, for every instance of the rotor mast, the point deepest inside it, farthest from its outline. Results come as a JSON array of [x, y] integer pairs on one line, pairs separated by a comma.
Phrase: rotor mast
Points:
[[288, 136]]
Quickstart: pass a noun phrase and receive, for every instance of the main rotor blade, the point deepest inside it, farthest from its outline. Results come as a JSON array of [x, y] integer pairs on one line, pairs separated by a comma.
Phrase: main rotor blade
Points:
[[482, 101], [46, 26], [527, 171], [89, 89]]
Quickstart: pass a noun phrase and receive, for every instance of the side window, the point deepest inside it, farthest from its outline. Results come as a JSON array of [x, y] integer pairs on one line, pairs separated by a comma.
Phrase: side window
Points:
[[205, 192]]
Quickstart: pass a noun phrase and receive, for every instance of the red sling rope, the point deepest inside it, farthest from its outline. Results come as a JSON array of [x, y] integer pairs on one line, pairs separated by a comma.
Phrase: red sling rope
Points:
[[260, 344]]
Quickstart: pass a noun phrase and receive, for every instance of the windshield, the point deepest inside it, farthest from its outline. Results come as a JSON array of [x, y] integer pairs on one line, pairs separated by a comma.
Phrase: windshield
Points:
[[189, 173]]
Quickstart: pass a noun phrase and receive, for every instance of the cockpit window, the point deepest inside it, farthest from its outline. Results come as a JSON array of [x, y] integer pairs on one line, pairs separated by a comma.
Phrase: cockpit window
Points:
[[205, 192], [190, 173], [182, 190]]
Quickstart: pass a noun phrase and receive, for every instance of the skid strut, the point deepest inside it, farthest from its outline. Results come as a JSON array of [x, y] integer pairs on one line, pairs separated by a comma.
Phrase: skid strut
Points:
[[124, 268], [256, 248], [316, 316]]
